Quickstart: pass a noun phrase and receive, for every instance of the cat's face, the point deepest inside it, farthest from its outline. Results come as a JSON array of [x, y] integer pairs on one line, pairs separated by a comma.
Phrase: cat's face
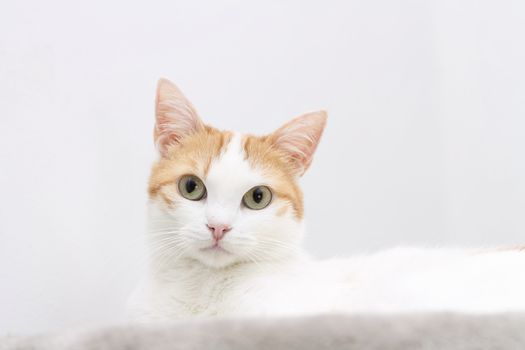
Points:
[[220, 197]]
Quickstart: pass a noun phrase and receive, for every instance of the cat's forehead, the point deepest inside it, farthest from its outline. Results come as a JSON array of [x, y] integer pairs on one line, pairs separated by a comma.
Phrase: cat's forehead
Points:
[[230, 169], [222, 159]]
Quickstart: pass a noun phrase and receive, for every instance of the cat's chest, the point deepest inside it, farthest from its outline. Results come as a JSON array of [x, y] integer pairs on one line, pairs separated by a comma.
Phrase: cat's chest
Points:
[[206, 294], [236, 294]]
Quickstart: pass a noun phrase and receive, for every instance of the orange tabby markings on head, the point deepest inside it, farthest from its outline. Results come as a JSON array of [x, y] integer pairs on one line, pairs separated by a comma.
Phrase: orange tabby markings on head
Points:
[[192, 155], [262, 155]]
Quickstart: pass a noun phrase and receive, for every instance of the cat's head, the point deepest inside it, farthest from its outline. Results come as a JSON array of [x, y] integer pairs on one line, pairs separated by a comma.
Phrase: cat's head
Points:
[[220, 197]]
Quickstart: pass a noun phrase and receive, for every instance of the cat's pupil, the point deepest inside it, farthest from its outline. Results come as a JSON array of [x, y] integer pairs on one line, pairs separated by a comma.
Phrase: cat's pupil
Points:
[[257, 195], [191, 185]]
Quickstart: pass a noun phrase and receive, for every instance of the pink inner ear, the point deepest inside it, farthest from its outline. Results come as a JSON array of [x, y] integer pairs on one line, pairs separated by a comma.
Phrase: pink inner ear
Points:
[[176, 117], [299, 138]]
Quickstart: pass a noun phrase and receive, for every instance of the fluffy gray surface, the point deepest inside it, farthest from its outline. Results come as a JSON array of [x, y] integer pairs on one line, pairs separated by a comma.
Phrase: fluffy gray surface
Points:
[[401, 332]]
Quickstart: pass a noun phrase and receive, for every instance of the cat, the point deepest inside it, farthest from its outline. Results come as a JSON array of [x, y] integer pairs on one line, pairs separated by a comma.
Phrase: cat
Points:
[[226, 223]]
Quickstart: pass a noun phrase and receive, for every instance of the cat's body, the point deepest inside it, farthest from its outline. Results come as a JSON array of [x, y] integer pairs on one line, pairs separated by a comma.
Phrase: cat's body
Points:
[[397, 280], [226, 222]]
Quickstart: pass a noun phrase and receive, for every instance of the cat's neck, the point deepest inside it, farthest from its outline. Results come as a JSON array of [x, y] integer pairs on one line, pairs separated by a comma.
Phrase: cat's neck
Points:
[[189, 268]]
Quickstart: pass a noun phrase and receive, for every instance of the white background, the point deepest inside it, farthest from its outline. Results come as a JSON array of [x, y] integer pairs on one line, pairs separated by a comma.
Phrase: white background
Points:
[[425, 141]]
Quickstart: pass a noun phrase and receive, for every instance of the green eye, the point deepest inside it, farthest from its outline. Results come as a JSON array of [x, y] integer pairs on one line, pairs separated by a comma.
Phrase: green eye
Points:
[[192, 188], [257, 198]]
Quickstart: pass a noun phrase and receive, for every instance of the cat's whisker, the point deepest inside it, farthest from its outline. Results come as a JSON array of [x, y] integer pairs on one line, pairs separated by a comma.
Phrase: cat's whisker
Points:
[[254, 259], [166, 239], [282, 245], [165, 231], [168, 253]]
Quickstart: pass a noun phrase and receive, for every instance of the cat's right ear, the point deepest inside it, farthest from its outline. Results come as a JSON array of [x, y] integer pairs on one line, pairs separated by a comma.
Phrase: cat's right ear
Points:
[[175, 116]]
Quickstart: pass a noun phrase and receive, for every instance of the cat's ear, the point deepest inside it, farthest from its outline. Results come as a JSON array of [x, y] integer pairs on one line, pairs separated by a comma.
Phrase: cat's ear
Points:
[[175, 116], [299, 138]]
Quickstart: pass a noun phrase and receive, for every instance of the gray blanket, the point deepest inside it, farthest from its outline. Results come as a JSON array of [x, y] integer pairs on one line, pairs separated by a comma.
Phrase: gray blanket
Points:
[[393, 332]]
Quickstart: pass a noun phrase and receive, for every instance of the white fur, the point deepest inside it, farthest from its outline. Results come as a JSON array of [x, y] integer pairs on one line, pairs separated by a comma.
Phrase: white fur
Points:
[[265, 272]]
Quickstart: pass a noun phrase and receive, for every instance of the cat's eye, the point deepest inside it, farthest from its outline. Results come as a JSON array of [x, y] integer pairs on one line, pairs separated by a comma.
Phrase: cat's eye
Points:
[[192, 188], [257, 198]]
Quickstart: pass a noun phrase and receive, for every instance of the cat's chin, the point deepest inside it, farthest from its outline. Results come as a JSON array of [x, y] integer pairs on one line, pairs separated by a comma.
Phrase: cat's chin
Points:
[[216, 257]]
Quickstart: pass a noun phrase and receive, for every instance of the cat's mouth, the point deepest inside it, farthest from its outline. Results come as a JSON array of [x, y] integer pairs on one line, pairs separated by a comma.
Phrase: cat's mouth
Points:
[[215, 248]]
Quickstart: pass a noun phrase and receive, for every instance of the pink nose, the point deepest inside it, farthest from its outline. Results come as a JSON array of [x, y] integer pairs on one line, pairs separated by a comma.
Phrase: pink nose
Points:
[[218, 230]]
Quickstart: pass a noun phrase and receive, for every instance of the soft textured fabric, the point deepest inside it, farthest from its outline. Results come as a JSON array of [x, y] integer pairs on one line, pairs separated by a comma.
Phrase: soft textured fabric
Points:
[[371, 332]]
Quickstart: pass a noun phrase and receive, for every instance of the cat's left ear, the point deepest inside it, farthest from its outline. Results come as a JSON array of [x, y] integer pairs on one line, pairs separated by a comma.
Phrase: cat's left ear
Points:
[[299, 138], [175, 116]]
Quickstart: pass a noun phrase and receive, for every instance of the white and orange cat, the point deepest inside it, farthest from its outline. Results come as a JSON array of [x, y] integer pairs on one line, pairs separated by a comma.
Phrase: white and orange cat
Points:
[[225, 230]]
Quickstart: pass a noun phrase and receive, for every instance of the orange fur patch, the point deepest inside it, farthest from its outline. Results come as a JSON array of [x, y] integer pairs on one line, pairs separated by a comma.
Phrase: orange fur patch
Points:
[[192, 155], [282, 210], [262, 155]]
